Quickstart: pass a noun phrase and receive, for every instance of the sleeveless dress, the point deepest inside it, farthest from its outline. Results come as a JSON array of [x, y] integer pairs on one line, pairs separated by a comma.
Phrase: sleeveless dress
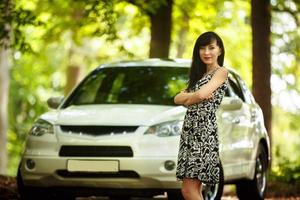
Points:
[[198, 156]]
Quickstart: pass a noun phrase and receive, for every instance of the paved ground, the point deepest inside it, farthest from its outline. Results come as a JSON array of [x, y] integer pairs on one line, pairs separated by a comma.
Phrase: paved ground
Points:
[[155, 198], [276, 191], [228, 194], [164, 198]]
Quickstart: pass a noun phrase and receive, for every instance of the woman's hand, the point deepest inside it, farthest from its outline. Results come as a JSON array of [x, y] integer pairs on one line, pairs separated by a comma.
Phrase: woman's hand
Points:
[[188, 98], [181, 97], [194, 98]]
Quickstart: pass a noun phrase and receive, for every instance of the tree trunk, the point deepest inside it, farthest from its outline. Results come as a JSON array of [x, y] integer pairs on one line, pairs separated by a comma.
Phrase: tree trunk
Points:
[[4, 89], [73, 70], [161, 22], [73, 73], [182, 35], [4, 82], [261, 34]]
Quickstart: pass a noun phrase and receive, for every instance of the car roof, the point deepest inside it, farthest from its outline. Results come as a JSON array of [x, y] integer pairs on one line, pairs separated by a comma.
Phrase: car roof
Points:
[[155, 62]]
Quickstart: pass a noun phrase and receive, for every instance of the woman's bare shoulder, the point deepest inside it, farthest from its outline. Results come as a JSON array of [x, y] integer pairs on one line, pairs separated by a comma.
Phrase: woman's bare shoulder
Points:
[[222, 72]]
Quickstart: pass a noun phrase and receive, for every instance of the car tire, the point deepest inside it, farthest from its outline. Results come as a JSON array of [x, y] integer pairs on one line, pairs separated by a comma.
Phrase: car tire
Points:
[[256, 188], [38, 193], [29, 193], [215, 191], [175, 195]]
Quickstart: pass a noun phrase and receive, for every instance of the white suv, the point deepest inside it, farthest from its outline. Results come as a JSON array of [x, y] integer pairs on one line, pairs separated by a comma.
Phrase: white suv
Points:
[[117, 134]]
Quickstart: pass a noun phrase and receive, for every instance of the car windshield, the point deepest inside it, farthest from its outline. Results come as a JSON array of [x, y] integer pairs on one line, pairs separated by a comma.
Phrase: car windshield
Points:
[[130, 85]]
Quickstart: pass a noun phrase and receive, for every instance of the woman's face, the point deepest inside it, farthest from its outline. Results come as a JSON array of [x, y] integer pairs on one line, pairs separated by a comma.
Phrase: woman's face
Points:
[[209, 54]]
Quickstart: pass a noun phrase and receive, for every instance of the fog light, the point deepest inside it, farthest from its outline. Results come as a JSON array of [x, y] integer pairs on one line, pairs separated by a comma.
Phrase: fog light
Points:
[[30, 164], [169, 165]]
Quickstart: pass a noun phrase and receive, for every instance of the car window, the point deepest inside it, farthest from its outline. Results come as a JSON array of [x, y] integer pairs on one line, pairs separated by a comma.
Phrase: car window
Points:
[[236, 87], [247, 94], [130, 85], [229, 92]]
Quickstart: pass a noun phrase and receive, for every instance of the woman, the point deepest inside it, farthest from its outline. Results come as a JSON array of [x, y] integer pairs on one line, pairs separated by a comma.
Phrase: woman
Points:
[[198, 157]]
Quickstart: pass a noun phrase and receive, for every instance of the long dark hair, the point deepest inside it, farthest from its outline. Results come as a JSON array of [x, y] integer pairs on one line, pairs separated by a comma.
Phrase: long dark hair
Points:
[[198, 68]]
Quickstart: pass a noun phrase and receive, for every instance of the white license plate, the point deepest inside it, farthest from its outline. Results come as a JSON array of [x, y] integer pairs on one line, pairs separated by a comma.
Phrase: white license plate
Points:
[[93, 165]]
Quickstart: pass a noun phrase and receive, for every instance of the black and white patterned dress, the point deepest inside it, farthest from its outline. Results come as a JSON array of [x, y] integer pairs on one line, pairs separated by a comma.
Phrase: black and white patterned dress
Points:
[[198, 156]]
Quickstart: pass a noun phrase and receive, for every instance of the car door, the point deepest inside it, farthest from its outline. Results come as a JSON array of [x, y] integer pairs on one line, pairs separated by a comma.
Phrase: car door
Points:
[[234, 133], [252, 113]]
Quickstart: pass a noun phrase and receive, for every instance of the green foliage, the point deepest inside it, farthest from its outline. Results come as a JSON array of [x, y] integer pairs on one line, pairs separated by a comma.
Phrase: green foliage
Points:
[[286, 116], [83, 18], [13, 18], [285, 143], [30, 86], [286, 42], [148, 7]]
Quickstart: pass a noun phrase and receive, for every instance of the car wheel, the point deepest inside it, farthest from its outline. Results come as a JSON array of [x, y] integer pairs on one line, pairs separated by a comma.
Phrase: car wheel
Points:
[[215, 191], [256, 188], [175, 195], [29, 193]]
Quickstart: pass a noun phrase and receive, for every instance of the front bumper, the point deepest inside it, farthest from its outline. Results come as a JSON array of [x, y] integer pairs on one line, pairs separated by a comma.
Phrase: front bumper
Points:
[[144, 170], [135, 173]]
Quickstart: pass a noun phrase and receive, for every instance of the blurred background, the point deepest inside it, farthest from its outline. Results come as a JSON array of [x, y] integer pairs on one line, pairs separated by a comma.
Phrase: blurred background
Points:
[[48, 46]]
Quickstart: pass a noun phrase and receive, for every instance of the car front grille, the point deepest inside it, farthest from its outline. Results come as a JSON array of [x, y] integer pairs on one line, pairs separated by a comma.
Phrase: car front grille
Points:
[[98, 130], [96, 151], [120, 174]]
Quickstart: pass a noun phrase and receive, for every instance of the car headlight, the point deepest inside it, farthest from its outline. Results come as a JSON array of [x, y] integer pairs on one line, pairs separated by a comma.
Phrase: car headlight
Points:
[[171, 128], [41, 127]]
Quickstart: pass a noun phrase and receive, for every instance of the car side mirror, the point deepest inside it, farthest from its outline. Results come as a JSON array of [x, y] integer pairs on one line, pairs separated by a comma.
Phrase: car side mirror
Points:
[[54, 102], [229, 103]]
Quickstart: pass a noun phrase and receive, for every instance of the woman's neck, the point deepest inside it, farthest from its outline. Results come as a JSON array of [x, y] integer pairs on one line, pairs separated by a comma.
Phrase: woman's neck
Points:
[[211, 67]]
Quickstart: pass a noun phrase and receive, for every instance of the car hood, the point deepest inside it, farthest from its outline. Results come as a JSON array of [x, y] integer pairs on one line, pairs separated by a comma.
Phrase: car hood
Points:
[[117, 114]]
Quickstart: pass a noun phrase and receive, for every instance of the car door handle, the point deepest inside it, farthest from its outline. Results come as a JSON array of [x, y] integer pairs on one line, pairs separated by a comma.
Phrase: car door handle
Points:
[[253, 115], [236, 120]]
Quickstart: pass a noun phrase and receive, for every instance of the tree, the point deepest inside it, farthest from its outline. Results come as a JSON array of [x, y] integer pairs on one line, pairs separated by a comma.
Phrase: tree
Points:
[[161, 25], [12, 18], [160, 14], [261, 61], [4, 79]]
